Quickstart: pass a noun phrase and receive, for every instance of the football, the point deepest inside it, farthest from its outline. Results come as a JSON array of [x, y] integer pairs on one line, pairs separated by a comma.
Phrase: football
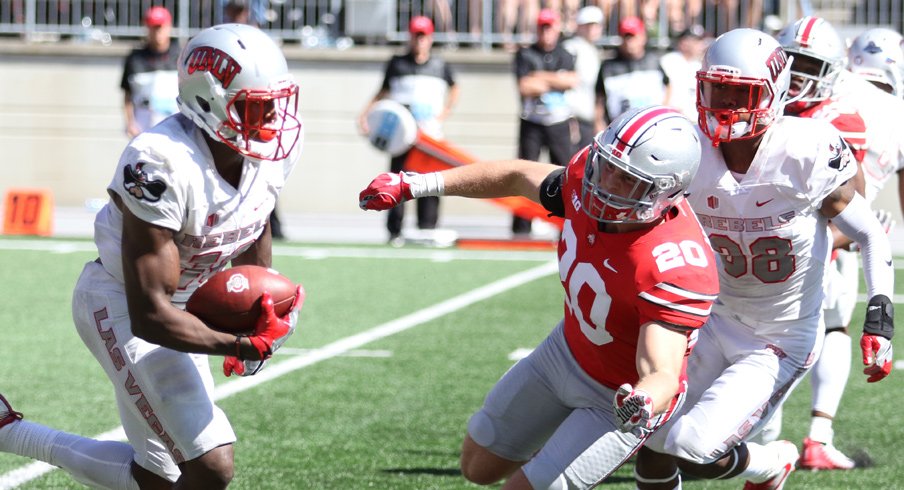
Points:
[[230, 301]]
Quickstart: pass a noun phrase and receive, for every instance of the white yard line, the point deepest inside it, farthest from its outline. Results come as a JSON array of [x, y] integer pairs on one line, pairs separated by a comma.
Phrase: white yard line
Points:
[[340, 347], [314, 253]]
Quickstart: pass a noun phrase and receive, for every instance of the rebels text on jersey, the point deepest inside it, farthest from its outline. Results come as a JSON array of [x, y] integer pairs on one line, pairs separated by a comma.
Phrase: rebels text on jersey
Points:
[[166, 177], [616, 282], [766, 227]]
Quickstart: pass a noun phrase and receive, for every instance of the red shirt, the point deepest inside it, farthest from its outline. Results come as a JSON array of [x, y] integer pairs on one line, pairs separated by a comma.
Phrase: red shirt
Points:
[[616, 282]]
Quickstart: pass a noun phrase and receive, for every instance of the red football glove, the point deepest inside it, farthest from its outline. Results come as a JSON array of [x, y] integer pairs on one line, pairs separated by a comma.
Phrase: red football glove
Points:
[[386, 191], [875, 343], [877, 357], [270, 333], [634, 410]]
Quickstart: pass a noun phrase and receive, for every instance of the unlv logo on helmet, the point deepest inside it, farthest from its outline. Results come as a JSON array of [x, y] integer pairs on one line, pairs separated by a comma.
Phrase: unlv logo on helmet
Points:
[[776, 62], [215, 61]]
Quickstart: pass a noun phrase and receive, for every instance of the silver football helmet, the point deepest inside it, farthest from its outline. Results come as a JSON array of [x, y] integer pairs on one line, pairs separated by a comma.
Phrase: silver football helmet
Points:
[[741, 85], [876, 55], [234, 83], [818, 58], [640, 166]]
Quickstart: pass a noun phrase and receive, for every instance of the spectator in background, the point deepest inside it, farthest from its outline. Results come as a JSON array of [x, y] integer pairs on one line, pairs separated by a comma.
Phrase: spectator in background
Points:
[[237, 12], [149, 80], [242, 12], [425, 84], [738, 13], [681, 66], [515, 15], [250, 12], [545, 71], [587, 66], [633, 78]]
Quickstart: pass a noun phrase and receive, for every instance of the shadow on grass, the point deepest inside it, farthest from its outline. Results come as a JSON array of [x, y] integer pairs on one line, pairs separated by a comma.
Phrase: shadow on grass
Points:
[[423, 471], [457, 473]]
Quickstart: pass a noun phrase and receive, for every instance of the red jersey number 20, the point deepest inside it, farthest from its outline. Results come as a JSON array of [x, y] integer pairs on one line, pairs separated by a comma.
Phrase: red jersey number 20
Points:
[[576, 275]]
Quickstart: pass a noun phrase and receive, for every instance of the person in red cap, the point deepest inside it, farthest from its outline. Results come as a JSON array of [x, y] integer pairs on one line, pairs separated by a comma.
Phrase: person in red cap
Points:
[[545, 71], [425, 84], [149, 75], [633, 78]]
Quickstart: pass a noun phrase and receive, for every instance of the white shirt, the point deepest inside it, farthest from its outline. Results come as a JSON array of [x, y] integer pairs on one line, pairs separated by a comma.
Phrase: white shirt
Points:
[[773, 241], [582, 98], [166, 176], [682, 74]]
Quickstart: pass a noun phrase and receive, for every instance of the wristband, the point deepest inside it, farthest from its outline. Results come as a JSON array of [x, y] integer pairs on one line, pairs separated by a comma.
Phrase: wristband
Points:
[[238, 348], [425, 185]]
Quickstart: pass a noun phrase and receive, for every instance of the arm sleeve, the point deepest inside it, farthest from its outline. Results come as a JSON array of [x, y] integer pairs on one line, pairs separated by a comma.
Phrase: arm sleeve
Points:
[[448, 74], [126, 73], [387, 74], [522, 64], [551, 193], [859, 223]]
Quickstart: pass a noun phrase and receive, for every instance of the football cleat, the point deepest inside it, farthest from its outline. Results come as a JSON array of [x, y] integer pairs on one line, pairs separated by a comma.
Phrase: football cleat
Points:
[[7, 414], [787, 459], [819, 456]]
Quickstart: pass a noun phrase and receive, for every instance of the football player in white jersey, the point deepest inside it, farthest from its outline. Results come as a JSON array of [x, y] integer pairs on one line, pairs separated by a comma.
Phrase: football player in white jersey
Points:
[[825, 90], [876, 55], [766, 189], [639, 278], [188, 197]]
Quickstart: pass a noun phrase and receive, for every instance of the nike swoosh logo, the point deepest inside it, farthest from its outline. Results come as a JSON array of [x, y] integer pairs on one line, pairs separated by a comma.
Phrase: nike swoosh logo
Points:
[[889, 262], [761, 204], [606, 265]]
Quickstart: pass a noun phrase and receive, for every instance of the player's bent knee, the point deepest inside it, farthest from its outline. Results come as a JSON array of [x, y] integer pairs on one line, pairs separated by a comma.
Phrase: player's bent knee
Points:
[[692, 443], [480, 466], [214, 469]]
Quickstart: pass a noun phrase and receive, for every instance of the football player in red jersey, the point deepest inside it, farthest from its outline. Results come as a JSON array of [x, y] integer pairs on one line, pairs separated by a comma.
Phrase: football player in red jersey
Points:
[[639, 278]]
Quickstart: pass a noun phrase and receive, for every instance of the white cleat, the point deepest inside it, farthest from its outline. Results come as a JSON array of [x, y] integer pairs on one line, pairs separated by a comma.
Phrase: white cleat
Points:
[[787, 459]]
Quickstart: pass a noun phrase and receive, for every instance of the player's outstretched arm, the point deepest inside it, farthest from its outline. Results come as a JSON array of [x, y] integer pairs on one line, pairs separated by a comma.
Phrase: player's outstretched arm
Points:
[[851, 214], [477, 180]]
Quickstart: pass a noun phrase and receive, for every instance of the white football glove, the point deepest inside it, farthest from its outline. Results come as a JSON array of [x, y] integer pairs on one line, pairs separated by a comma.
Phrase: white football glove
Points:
[[634, 410]]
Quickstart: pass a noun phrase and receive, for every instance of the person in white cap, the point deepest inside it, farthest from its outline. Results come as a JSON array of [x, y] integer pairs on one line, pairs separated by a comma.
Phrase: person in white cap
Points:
[[583, 46]]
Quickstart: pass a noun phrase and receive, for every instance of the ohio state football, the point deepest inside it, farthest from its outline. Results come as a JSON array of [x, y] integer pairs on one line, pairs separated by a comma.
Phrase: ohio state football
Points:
[[230, 301]]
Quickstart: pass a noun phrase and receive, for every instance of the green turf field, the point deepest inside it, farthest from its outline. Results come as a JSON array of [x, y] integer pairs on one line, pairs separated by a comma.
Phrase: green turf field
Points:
[[396, 348]]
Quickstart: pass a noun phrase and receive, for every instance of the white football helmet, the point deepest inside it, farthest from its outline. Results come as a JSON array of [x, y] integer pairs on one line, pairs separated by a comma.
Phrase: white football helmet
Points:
[[234, 83], [818, 58], [640, 166], [877, 56], [741, 85]]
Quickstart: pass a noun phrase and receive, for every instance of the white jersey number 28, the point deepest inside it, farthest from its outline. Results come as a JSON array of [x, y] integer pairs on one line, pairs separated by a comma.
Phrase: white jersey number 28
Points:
[[770, 258]]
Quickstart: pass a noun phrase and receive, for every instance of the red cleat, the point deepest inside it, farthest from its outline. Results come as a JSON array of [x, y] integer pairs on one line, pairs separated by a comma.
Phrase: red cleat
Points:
[[819, 456], [7, 414]]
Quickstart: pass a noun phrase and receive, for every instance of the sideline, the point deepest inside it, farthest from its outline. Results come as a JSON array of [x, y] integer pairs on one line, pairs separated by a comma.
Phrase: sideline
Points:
[[27, 473]]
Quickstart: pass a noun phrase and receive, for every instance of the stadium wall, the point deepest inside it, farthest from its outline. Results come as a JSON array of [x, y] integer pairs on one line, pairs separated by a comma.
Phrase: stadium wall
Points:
[[61, 123]]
